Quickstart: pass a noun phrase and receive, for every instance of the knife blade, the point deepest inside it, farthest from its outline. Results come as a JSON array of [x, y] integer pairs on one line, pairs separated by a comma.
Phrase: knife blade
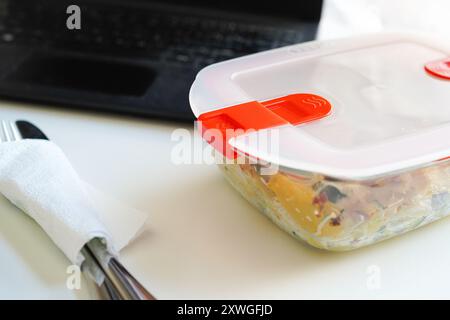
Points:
[[29, 131]]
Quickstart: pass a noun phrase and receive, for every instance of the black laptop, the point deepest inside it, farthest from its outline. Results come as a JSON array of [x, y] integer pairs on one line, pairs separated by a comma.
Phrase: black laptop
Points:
[[136, 57]]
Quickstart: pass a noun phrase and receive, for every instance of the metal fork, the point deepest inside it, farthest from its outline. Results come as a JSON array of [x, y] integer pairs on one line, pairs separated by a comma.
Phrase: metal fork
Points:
[[9, 132], [119, 284]]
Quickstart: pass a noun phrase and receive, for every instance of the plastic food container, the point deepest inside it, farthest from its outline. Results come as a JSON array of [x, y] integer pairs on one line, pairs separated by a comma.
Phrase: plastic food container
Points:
[[359, 131]]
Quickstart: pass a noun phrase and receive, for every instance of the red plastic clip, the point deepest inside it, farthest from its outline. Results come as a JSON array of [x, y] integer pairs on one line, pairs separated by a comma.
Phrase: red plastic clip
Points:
[[218, 127]]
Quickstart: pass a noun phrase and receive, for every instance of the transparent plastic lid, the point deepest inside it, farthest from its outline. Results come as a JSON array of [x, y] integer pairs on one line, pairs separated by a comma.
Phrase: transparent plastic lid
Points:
[[388, 113]]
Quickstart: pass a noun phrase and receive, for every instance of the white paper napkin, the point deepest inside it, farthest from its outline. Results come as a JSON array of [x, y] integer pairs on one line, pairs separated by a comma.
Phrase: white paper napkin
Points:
[[36, 176]]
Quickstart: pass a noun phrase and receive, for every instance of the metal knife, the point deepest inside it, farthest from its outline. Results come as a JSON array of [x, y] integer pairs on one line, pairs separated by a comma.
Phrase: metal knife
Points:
[[119, 284]]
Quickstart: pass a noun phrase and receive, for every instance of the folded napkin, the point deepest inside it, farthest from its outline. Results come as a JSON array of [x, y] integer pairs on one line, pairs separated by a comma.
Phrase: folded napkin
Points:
[[36, 176]]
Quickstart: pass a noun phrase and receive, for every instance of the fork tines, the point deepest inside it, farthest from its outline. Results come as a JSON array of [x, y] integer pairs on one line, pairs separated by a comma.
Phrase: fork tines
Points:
[[9, 132]]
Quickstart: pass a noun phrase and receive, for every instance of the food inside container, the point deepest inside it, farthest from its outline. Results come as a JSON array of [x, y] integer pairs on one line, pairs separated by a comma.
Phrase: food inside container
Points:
[[343, 215], [359, 130]]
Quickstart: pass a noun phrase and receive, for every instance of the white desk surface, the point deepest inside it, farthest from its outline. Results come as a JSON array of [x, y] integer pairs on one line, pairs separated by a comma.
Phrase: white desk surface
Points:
[[203, 239]]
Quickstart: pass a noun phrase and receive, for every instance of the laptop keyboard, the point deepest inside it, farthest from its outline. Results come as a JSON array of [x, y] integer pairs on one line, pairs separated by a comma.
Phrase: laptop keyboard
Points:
[[167, 37]]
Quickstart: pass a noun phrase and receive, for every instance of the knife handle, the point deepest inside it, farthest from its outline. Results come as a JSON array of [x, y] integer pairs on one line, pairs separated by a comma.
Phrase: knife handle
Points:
[[119, 283]]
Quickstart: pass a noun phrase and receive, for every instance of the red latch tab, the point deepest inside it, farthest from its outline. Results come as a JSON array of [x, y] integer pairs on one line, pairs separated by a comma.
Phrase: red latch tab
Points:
[[236, 120], [299, 108], [439, 68]]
